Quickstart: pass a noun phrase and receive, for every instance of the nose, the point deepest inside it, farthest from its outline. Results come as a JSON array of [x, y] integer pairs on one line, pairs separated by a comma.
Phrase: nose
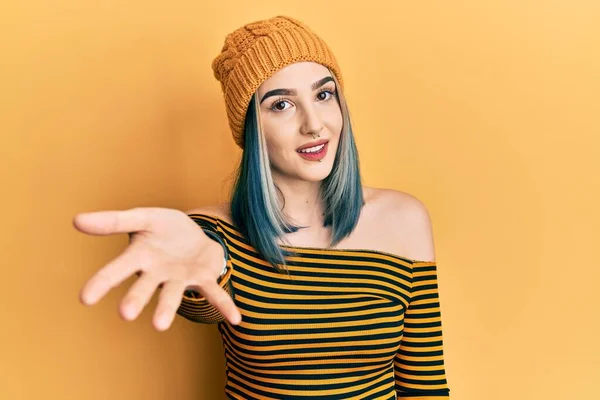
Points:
[[311, 122]]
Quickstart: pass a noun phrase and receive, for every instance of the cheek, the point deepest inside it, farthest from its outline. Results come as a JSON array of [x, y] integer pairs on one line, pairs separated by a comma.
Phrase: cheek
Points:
[[279, 133], [273, 147], [335, 121], [277, 146]]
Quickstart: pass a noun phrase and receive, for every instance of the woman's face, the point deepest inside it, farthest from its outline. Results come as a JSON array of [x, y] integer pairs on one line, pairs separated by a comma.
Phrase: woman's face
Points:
[[298, 107]]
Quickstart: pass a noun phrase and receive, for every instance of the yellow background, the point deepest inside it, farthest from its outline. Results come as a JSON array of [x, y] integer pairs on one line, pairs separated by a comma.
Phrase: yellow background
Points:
[[488, 111]]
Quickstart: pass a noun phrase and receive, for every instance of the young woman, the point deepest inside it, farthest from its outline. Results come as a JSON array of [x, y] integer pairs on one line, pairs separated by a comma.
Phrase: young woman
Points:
[[322, 288]]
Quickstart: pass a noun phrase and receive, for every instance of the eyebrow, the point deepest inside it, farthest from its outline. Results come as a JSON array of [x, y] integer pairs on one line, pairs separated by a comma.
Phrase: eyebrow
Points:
[[293, 92]]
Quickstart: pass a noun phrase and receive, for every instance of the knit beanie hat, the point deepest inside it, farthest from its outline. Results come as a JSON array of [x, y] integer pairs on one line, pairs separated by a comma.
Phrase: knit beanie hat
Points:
[[254, 52]]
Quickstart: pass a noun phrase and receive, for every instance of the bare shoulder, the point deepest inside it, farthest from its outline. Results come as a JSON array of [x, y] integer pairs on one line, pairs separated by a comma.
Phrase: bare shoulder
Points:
[[220, 211], [404, 222]]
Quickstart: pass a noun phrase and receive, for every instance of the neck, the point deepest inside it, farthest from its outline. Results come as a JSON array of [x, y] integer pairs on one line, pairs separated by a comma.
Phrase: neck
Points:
[[303, 204]]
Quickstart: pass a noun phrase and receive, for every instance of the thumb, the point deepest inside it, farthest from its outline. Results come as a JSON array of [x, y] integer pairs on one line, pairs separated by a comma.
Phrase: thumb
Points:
[[112, 221]]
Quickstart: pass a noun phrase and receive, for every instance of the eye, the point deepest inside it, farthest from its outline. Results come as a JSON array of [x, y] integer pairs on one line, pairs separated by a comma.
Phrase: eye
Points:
[[279, 105], [325, 95]]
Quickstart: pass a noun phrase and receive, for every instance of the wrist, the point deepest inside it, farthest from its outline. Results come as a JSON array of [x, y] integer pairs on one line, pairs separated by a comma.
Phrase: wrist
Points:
[[223, 271], [222, 255]]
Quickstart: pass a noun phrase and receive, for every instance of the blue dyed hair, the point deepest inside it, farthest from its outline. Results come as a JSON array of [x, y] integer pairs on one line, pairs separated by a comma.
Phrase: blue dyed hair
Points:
[[255, 207]]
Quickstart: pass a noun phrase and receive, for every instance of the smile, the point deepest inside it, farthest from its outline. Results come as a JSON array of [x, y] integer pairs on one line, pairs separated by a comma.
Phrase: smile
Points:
[[312, 149], [315, 153]]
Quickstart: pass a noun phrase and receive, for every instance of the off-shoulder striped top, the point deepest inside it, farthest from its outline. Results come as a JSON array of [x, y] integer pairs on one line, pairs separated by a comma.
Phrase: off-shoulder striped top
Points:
[[346, 324]]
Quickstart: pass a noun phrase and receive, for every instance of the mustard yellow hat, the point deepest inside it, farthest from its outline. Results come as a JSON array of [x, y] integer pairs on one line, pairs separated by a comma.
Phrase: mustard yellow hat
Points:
[[254, 52]]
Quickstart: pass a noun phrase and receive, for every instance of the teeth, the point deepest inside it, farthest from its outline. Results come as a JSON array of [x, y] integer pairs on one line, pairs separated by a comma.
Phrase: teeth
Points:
[[313, 149]]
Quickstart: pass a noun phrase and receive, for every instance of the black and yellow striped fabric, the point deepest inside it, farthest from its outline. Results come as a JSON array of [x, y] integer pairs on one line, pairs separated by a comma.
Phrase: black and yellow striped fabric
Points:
[[345, 324]]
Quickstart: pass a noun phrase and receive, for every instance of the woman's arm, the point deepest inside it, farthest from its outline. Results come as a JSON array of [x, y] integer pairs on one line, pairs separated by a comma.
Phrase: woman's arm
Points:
[[419, 363], [193, 306]]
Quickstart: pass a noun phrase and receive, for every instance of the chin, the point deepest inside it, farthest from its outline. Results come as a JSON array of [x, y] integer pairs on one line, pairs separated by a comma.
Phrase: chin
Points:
[[317, 174]]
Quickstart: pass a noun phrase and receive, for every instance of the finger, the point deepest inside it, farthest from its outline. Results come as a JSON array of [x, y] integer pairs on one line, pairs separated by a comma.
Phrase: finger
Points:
[[111, 275], [169, 301], [110, 222], [222, 301], [138, 296]]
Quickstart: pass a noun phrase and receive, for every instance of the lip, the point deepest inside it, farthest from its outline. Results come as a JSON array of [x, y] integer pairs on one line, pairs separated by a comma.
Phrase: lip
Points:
[[312, 144], [318, 156]]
